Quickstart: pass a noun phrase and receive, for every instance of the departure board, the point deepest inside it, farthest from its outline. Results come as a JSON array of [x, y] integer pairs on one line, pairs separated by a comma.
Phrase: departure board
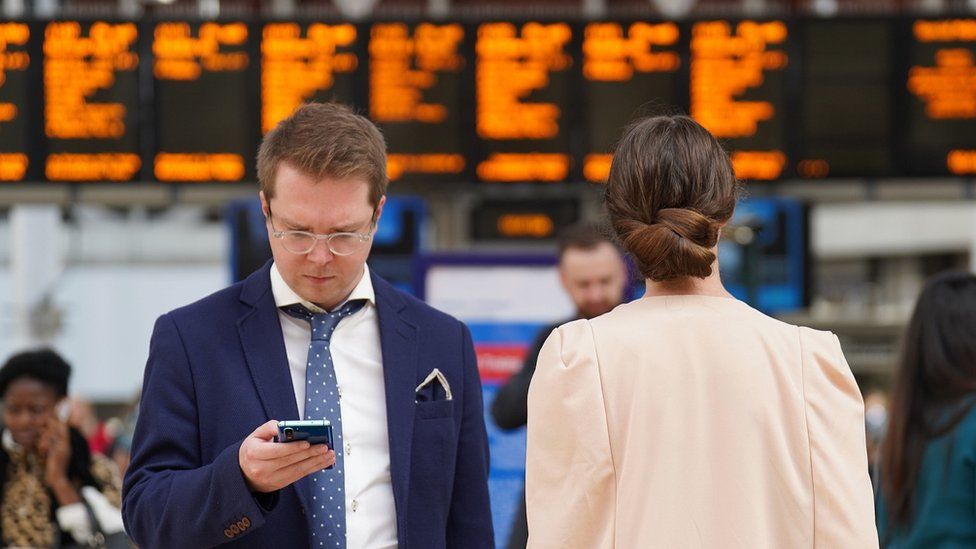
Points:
[[940, 130], [489, 100], [205, 99], [15, 101], [629, 70], [302, 62], [845, 118], [737, 90], [91, 101], [522, 101], [416, 97]]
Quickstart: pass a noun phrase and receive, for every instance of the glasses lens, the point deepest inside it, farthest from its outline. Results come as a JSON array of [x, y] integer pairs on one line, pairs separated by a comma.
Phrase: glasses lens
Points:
[[298, 243], [345, 244]]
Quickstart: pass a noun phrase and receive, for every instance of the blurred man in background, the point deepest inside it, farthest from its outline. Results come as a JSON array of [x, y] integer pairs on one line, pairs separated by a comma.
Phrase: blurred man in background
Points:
[[593, 272]]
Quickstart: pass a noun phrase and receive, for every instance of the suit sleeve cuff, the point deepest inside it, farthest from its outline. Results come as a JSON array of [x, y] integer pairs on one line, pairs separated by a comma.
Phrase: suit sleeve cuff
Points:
[[248, 510]]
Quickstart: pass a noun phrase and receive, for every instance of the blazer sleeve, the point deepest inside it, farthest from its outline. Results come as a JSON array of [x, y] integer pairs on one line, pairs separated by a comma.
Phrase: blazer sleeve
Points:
[[469, 523], [570, 487], [842, 495], [170, 498]]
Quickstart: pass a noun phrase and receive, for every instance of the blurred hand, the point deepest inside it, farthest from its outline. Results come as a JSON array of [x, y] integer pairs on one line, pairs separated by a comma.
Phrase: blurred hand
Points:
[[55, 447], [270, 466]]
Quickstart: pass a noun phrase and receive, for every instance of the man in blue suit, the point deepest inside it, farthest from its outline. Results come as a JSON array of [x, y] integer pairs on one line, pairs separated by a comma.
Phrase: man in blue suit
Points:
[[312, 335]]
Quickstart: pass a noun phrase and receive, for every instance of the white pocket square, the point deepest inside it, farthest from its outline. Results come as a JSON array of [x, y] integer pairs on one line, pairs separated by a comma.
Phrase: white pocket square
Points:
[[435, 375]]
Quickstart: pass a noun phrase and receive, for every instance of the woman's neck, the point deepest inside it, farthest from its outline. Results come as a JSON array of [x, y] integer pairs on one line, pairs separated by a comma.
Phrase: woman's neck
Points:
[[708, 286]]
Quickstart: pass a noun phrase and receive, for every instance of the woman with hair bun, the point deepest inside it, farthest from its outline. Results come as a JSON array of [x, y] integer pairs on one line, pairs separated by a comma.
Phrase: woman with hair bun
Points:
[[687, 418]]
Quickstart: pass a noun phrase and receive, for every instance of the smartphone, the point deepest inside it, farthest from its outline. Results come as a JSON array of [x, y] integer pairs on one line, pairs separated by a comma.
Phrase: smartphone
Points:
[[315, 431], [63, 410]]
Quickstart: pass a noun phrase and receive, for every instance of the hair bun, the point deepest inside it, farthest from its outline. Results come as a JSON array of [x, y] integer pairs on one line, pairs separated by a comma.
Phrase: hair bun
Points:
[[678, 243], [671, 187], [689, 224]]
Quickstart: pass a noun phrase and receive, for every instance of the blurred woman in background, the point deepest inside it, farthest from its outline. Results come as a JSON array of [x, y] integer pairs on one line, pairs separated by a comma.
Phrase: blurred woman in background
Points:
[[50, 485], [927, 495], [687, 418]]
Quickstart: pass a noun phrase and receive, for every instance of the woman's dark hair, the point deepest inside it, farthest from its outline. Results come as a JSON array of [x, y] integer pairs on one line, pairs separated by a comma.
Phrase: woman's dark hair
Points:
[[670, 190], [936, 375], [43, 365]]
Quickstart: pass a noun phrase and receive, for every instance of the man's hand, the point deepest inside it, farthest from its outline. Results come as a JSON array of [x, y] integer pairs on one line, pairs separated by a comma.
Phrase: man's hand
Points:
[[270, 466]]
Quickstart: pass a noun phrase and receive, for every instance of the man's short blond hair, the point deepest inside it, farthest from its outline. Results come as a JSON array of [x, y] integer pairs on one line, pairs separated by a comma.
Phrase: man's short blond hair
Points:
[[325, 140]]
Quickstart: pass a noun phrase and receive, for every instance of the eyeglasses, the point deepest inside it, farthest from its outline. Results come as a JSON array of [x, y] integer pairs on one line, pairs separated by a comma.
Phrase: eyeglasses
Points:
[[302, 242]]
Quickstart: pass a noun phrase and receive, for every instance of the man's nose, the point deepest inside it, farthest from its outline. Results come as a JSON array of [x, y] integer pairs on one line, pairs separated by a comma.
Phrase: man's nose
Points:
[[594, 293], [320, 252]]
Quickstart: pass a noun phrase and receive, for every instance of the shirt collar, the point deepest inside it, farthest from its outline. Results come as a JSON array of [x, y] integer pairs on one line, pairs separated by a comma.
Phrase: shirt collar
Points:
[[284, 295]]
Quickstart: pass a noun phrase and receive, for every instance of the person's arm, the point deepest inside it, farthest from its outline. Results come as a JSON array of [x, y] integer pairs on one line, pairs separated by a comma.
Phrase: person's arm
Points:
[[843, 502], [169, 497], [510, 408], [469, 522], [570, 489]]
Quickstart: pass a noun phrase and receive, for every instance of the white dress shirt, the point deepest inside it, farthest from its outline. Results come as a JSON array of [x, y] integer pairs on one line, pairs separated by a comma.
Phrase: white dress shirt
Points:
[[358, 360]]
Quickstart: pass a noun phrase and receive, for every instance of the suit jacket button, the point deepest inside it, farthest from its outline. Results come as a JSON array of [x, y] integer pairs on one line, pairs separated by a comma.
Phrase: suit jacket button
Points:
[[235, 528], [228, 533], [246, 522]]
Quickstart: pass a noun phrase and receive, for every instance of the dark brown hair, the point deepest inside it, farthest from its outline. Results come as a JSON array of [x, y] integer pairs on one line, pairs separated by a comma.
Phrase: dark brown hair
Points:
[[585, 235], [934, 385], [42, 365], [325, 140], [670, 190]]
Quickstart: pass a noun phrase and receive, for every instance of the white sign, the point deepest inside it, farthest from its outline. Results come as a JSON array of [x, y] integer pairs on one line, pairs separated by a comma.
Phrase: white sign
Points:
[[505, 293]]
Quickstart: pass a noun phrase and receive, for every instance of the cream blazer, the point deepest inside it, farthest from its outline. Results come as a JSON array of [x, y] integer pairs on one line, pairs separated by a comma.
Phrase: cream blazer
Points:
[[695, 421]]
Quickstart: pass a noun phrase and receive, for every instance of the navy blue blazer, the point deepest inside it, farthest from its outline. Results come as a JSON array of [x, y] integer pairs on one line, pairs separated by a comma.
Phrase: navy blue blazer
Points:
[[217, 369]]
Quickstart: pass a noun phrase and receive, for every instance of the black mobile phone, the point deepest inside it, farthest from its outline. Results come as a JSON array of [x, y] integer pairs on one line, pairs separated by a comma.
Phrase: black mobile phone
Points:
[[315, 431]]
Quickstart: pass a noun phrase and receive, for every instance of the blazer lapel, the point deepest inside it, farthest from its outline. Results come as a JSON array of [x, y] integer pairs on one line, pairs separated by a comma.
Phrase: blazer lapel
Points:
[[264, 348], [398, 340]]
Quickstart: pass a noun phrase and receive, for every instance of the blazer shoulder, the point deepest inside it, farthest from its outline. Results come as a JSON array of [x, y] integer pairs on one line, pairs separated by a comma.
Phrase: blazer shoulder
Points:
[[818, 340], [573, 341], [226, 299]]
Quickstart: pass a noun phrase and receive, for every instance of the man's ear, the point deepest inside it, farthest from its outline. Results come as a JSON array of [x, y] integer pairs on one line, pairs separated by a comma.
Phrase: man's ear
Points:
[[562, 276], [379, 209], [264, 204]]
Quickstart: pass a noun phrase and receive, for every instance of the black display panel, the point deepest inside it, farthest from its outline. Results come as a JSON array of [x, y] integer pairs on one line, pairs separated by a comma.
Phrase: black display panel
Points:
[[846, 101], [629, 69], [523, 110], [490, 101], [302, 62], [206, 101], [17, 63], [91, 101], [417, 97], [940, 126], [737, 90], [514, 219]]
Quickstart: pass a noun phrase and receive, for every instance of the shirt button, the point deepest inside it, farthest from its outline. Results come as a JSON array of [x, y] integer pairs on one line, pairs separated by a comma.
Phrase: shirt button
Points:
[[355, 505], [348, 448]]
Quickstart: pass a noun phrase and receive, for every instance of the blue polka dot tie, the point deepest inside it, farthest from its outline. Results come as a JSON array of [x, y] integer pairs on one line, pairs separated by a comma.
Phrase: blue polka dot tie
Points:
[[327, 519]]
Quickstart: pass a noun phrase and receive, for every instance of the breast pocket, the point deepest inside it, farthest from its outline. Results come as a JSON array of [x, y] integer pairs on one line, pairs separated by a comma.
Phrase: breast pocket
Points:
[[435, 409]]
